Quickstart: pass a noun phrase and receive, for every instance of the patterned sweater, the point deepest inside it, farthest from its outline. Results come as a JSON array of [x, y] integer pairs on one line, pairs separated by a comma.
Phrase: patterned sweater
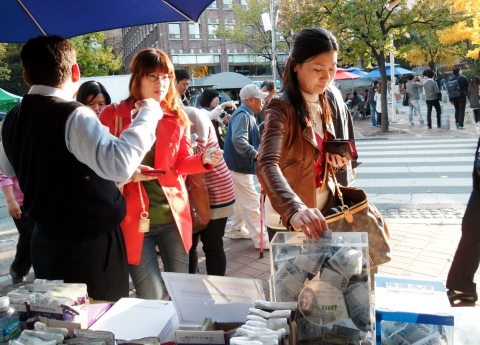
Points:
[[218, 180]]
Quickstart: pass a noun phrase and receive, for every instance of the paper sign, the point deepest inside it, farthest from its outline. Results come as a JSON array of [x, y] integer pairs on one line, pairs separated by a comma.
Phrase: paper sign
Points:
[[223, 299]]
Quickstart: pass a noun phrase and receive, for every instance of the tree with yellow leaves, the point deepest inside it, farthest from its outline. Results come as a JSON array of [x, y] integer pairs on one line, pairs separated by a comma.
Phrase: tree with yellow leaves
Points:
[[426, 49], [365, 29]]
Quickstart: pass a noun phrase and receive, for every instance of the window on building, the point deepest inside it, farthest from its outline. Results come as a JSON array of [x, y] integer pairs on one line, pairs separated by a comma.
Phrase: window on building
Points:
[[230, 27], [194, 31], [174, 31], [212, 31], [227, 4], [243, 3], [213, 4]]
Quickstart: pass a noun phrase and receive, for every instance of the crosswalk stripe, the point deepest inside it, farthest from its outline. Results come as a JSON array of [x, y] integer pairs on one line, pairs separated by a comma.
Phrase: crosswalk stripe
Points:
[[431, 146], [414, 182], [416, 169], [383, 143], [440, 159], [421, 198], [416, 152]]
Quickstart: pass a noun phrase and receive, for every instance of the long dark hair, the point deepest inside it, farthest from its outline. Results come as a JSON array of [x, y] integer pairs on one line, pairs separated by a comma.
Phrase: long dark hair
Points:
[[307, 44]]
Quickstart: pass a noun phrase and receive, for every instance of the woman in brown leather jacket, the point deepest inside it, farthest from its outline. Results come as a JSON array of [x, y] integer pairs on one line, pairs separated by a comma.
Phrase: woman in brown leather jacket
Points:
[[290, 163]]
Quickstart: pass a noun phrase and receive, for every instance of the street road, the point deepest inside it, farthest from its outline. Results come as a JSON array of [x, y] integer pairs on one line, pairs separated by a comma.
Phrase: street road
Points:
[[420, 173]]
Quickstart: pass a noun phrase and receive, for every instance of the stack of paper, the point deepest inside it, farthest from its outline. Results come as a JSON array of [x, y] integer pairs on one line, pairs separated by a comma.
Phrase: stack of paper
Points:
[[133, 318]]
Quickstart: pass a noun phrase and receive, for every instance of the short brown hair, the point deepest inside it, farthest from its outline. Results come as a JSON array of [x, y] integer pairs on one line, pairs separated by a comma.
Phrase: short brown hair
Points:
[[151, 60], [48, 60]]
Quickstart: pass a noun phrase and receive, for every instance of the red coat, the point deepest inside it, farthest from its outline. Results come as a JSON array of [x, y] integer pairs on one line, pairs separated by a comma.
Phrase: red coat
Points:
[[174, 154]]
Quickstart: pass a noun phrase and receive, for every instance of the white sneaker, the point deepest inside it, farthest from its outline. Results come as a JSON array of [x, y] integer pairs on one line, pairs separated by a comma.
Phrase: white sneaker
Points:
[[237, 233], [411, 124], [266, 245]]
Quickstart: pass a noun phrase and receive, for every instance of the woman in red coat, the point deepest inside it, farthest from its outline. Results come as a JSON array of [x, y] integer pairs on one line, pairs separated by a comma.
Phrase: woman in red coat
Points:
[[163, 199]]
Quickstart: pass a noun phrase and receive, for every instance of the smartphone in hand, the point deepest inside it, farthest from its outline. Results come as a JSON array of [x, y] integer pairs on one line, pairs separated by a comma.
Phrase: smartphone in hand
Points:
[[152, 172]]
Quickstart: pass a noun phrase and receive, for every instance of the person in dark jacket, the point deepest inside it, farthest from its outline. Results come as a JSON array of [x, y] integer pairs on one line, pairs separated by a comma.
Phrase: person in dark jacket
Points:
[[474, 97], [460, 102], [371, 101], [460, 284]]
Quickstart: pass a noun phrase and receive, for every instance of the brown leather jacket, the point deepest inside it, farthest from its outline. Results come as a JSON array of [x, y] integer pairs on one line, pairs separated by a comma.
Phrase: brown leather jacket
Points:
[[286, 160]]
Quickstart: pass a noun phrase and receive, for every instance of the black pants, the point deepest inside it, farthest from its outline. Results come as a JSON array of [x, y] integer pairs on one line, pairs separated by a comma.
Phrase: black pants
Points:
[[476, 115], [212, 239], [467, 257], [379, 118], [22, 262], [459, 103], [436, 104], [101, 263]]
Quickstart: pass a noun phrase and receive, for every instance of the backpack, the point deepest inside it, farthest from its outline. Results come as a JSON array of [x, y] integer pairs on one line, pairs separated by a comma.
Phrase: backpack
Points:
[[453, 88]]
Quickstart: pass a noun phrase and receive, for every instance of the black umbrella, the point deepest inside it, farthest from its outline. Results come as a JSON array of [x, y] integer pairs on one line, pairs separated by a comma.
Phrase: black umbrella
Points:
[[21, 20]]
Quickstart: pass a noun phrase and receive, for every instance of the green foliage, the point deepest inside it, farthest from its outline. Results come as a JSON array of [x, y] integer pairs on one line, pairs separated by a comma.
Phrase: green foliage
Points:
[[14, 83], [248, 30], [94, 57], [4, 70]]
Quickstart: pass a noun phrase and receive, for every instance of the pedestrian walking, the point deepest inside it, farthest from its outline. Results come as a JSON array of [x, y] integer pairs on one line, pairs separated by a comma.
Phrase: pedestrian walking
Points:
[[241, 145], [371, 101], [378, 104], [413, 88], [431, 97], [457, 88]]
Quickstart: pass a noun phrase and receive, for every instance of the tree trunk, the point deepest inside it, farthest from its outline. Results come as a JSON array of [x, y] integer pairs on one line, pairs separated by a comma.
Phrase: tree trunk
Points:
[[383, 80]]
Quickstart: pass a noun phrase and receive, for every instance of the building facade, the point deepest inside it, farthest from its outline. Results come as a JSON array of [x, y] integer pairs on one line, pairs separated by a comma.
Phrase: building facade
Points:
[[191, 44]]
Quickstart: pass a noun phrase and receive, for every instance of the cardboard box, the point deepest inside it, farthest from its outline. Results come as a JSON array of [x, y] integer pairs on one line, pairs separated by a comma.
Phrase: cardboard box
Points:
[[226, 300], [85, 314], [70, 326], [415, 300], [219, 335]]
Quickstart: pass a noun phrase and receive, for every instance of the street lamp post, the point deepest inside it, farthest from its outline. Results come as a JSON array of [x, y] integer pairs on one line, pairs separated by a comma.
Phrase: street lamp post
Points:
[[269, 23], [274, 52]]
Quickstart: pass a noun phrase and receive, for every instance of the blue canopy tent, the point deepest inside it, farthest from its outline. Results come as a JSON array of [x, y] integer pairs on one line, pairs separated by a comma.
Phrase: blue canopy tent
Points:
[[357, 71], [375, 73], [22, 20]]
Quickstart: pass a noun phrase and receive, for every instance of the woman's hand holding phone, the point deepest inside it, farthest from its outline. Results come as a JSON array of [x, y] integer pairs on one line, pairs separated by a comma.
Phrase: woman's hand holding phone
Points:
[[142, 173], [336, 160]]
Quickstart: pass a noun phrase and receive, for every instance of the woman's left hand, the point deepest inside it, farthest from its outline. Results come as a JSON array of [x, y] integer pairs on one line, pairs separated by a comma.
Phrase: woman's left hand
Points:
[[336, 161]]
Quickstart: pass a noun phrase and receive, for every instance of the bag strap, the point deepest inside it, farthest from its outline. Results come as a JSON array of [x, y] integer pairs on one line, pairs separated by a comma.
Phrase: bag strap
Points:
[[345, 209], [144, 213], [118, 122]]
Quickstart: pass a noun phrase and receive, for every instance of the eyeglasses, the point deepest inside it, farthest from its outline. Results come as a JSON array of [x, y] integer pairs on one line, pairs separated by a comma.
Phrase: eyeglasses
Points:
[[153, 77]]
